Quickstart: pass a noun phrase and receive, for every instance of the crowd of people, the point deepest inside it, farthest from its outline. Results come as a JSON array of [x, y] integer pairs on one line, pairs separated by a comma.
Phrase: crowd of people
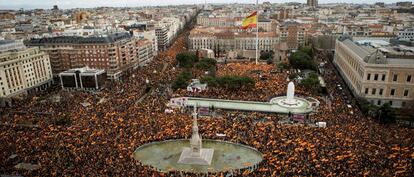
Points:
[[99, 139]]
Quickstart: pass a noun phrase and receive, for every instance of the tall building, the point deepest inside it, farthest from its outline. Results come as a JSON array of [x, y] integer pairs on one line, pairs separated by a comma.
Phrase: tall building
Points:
[[293, 33], [162, 37], [312, 3], [23, 71], [114, 53], [377, 71]]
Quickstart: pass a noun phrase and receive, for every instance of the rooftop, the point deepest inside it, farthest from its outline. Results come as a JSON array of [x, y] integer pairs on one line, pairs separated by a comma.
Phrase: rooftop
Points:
[[381, 52], [111, 38]]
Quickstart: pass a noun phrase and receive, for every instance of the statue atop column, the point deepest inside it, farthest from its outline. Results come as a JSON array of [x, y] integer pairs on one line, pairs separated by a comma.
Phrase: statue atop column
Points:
[[195, 141], [195, 154]]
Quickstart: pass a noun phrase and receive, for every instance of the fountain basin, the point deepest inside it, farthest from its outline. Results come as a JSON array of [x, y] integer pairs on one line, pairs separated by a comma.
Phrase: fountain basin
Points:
[[227, 156]]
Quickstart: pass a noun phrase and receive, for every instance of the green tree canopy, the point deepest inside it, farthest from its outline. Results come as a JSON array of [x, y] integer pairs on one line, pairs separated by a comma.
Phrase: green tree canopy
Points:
[[301, 60], [307, 50], [182, 80], [266, 55], [206, 63], [311, 83], [386, 113], [186, 59]]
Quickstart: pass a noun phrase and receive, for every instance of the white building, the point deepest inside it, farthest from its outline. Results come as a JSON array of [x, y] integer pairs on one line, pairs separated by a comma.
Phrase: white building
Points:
[[23, 71], [376, 71], [407, 34]]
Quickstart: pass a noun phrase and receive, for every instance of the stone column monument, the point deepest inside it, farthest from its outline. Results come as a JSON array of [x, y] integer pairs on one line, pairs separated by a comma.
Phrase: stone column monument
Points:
[[196, 155]]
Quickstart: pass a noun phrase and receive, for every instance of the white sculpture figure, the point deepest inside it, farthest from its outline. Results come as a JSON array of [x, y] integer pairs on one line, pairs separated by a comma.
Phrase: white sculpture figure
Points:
[[290, 93], [196, 155]]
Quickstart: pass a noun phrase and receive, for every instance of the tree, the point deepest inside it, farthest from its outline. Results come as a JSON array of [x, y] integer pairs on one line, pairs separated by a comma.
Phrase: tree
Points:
[[283, 66], [293, 76], [307, 50], [311, 83], [205, 63], [211, 81], [366, 107], [266, 55], [186, 59], [386, 113], [407, 110], [301, 60], [182, 80]]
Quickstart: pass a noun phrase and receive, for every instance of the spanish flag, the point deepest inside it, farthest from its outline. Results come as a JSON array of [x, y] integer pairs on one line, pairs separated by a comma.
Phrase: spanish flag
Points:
[[250, 21]]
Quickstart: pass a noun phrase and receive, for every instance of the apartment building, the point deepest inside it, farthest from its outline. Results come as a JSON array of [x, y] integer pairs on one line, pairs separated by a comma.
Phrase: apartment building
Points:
[[162, 37], [114, 53], [23, 71], [293, 33], [377, 71]]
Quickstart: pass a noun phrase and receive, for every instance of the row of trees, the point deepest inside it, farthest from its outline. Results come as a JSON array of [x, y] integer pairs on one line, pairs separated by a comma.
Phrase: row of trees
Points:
[[384, 113], [188, 60]]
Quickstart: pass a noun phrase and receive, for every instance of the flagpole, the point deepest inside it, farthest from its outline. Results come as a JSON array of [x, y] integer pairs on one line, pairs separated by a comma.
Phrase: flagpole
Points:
[[257, 31]]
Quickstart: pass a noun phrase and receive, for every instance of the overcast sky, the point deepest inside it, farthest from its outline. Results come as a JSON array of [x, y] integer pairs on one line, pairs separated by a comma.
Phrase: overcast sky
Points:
[[30, 4]]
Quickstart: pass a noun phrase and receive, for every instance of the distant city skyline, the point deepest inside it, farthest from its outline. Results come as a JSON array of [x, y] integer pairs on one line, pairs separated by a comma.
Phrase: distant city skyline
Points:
[[66, 4]]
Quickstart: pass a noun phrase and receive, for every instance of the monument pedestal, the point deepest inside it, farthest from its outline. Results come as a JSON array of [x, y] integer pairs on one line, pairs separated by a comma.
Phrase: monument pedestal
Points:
[[206, 155]]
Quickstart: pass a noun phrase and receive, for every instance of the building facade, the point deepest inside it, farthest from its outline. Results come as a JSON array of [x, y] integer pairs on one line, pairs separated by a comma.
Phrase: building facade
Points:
[[24, 71], [162, 37], [114, 53], [228, 41], [406, 34], [312, 3], [294, 34], [82, 79], [7, 45], [376, 73]]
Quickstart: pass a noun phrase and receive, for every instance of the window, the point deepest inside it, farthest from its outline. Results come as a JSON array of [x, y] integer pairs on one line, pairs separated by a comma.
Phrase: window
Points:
[[379, 102], [395, 77], [373, 91], [392, 93], [405, 92], [409, 78], [369, 77], [380, 91], [376, 77], [391, 103]]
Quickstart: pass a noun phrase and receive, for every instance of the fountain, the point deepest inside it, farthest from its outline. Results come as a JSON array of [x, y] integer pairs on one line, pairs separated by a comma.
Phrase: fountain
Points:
[[197, 155], [290, 101]]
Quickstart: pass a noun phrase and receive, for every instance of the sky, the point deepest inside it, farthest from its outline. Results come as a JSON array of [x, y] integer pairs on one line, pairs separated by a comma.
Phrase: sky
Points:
[[47, 4]]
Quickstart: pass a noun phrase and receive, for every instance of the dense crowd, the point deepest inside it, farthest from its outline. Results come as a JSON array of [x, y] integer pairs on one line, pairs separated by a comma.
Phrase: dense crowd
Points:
[[100, 139]]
